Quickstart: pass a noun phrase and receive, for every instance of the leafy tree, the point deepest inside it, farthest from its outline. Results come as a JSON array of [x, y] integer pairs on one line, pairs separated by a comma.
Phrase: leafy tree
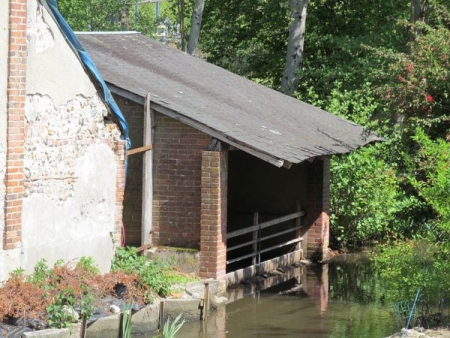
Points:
[[248, 38], [432, 179], [96, 15]]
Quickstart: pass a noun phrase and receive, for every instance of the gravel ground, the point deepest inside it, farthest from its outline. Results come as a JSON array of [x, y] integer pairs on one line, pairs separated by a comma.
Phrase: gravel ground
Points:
[[422, 333]]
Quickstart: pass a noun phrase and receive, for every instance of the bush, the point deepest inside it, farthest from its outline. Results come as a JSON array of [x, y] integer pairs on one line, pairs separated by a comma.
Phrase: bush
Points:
[[366, 198], [149, 273]]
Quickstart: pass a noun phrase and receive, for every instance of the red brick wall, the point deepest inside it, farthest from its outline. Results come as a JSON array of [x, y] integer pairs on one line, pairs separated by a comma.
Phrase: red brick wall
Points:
[[16, 96], [317, 209], [132, 206], [177, 158], [213, 249], [177, 155]]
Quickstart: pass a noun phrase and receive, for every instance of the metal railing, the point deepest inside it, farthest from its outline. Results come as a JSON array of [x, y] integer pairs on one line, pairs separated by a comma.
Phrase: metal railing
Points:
[[257, 239]]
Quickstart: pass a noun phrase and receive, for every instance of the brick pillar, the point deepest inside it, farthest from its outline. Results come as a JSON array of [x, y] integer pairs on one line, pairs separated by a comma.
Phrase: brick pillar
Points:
[[16, 97], [213, 229], [120, 191], [318, 209]]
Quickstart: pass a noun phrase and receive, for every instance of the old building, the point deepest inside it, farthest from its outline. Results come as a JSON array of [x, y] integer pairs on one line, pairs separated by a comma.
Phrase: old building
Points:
[[62, 151], [226, 154]]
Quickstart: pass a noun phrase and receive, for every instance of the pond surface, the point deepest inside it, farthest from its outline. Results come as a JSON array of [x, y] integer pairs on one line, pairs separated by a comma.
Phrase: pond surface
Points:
[[338, 299]]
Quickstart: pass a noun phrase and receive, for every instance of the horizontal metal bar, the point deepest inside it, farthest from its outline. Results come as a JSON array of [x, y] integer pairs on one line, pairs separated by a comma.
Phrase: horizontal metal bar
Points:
[[262, 239], [241, 245], [280, 233], [282, 244], [265, 224], [265, 250], [241, 258]]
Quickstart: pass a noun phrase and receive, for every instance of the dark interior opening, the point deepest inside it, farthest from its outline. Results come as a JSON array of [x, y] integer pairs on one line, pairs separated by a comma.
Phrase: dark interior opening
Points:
[[258, 186]]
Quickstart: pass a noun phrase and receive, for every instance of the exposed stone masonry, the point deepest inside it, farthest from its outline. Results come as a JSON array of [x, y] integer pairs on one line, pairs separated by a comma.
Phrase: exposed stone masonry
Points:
[[56, 137]]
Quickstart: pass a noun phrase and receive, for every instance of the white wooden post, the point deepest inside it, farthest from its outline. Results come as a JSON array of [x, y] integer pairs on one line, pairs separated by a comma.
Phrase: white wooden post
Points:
[[147, 177]]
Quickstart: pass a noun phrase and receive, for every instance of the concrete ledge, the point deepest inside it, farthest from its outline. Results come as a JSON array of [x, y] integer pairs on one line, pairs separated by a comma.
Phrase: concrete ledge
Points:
[[189, 307], [73, 332], [105, 327], [145, 320]]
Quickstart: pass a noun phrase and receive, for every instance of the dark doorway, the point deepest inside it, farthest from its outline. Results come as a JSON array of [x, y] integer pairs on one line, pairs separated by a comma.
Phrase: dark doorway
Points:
[[255, 186]]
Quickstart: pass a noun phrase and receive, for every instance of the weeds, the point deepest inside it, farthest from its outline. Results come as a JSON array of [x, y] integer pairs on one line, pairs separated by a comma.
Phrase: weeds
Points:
[[125, 324], [158, 276], [171, 329], [52, 295]]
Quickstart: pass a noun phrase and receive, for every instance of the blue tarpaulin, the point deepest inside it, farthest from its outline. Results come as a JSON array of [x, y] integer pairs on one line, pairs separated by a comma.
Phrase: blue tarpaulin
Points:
[[90, 67]]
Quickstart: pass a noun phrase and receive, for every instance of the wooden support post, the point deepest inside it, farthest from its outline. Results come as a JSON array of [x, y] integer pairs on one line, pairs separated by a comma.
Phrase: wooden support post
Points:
[[206, 301], [298, 224], [147, 177], [255, 237], [83, 326], [161, 315]]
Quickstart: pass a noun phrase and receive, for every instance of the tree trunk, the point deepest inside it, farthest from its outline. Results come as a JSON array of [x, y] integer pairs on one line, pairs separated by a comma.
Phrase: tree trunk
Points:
[[196, 22], [296, 40], [419, 12], [181, 18]]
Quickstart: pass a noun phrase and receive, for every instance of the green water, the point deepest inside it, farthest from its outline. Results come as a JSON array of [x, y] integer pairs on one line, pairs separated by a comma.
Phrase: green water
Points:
[[335, 300]]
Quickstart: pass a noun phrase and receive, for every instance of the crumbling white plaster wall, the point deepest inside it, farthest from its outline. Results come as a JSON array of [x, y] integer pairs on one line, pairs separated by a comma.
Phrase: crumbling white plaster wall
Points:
[[70, 166]]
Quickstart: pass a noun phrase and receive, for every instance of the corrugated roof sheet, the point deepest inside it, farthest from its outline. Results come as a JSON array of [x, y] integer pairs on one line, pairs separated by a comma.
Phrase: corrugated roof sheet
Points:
[[249, 114]]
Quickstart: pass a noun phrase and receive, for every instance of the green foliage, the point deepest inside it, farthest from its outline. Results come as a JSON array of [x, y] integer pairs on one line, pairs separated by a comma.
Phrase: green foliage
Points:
[[409, 265], [88, 264], [248, 38], [113, 15], [17, 273], [416, 85], [152, 273], [366, 194], [126, 325], [59, 312], [170, 329], [41, 273], [365, 203], [432, 179], [96, 15]]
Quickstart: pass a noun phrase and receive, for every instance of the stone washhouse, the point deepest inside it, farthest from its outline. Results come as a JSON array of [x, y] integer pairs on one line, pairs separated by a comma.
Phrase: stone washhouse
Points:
[[62, 154], [214, 153]]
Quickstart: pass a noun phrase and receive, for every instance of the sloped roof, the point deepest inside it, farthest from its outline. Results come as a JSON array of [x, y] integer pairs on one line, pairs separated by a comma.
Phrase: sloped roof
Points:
[[247, 115]]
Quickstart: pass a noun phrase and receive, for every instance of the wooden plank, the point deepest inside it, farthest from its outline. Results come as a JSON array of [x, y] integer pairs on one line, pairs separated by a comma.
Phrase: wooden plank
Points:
[[265, 224], [144, 247], [147, 178], [140, 149]]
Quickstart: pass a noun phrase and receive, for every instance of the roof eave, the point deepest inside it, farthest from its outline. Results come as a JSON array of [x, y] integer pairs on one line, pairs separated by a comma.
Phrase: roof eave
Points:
[[165, 109]]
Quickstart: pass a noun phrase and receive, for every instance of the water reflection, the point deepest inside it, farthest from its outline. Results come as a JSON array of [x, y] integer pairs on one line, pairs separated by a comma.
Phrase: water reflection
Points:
[[336, 300]]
